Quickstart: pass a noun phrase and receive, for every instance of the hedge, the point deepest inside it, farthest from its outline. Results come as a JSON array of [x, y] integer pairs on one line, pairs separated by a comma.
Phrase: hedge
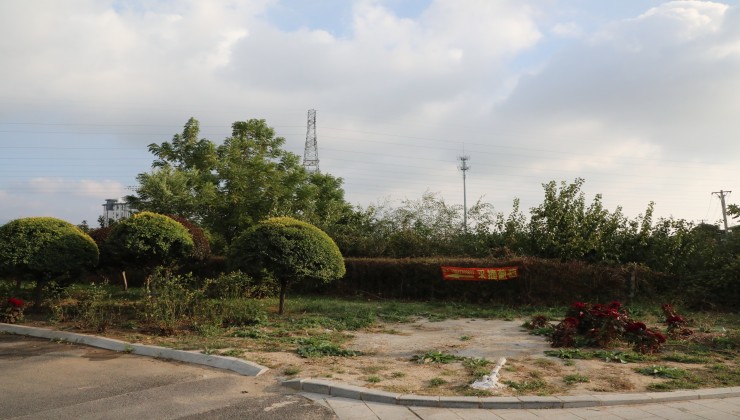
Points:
[[540, 281]]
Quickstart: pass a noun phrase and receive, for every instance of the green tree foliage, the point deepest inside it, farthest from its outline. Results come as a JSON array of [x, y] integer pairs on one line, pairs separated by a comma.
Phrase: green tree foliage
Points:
[[45, 249], [230, 187], [290, 250], [148, 240], [564, 227], [733, 210]]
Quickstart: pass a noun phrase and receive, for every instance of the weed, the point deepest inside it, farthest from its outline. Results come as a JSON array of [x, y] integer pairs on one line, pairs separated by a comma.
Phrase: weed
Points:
[[128, 348], [684, 358], [575, 378], [662, 372], [372, 369], [437, 381], [373, 379], [435, 357], [569, 362], [249, 334], [477, 367], [619, 356], [568, 354], [544, 363], [233, 353], [545, 331], [318, 348], [531, 385], [292, 370], [466, 338], [397, 375]]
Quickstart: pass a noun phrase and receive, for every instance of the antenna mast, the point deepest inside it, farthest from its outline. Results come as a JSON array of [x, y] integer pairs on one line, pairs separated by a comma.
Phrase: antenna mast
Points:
[[311, 152], [464, 168]]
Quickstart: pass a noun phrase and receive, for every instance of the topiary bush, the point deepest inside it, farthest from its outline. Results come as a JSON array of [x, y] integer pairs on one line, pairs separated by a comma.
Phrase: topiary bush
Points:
[[45, 249], [290, 250], [148, 240]]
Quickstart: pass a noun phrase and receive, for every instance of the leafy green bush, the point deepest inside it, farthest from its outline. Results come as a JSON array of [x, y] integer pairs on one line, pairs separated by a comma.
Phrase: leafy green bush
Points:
[[236, 285], [173, 304], [148, 240], [291, 250], [45, 249]]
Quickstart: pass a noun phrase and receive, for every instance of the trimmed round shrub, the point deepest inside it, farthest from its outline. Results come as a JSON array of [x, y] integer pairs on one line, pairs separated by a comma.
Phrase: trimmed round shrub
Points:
[[148, 239], [44, 249], [290, 250]]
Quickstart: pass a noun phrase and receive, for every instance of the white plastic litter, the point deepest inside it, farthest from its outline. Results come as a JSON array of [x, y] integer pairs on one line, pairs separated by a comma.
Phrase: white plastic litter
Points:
[[490, 381]]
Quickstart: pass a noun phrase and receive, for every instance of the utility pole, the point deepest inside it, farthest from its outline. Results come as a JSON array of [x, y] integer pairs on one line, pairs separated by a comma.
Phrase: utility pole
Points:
[[721, 194], [311, 151], [464, 167]]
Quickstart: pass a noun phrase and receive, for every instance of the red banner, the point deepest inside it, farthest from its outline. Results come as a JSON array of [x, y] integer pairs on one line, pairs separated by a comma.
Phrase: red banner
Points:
[[479, 274]]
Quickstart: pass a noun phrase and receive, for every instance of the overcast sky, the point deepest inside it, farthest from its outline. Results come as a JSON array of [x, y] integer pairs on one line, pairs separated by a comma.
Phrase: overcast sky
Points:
[[639, 97]]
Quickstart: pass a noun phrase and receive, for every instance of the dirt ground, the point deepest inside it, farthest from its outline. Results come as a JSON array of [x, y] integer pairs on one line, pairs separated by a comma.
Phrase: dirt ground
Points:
[[387, 351]]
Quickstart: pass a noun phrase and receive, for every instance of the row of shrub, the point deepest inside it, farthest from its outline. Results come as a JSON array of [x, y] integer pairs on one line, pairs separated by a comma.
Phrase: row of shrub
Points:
[[540, 281]]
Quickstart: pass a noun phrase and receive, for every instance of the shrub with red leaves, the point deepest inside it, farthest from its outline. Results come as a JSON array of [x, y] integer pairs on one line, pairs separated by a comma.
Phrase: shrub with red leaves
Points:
[[201, 245], [600, 325], [11, 310], [677, 325]]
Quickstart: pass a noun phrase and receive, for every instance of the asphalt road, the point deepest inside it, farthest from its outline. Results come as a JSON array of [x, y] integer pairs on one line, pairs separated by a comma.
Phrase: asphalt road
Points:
[[40, 379]]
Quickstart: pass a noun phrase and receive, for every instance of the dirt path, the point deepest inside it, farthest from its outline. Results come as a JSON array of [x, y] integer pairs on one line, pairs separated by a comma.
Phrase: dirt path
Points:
[[388, 348]]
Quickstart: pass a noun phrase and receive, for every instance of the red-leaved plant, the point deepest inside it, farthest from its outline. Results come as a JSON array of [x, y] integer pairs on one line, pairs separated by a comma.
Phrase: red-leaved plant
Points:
[[11, 310], [677, 325], [599, 325]]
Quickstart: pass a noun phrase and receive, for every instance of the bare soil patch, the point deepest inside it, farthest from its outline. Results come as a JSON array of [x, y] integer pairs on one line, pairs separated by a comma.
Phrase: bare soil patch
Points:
[[388, 348]]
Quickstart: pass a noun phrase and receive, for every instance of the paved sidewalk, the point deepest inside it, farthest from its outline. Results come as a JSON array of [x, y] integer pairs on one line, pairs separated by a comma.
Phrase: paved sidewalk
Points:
[[707, 409]]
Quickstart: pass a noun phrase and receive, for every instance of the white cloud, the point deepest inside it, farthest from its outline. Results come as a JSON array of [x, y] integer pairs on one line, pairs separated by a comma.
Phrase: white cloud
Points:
[[79, 188], [533, 98]]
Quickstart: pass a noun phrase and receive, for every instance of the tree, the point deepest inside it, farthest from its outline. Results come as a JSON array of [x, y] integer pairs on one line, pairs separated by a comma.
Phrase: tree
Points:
[[734, 211], [563, 227], [149, 240], [290, 250], [45, 249], [230, 187]]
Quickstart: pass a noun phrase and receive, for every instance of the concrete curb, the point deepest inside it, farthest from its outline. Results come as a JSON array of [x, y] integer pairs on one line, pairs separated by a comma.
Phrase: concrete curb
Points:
[[335, 389], [242, 367]]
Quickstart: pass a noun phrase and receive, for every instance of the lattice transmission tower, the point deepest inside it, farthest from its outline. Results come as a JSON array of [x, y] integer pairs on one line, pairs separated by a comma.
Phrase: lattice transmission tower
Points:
[[311, 152]]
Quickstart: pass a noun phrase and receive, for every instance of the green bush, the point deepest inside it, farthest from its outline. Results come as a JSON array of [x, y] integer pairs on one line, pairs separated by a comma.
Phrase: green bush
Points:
[[149, 240], [174, 303], [235, 285], [291, 250], [45, 249]]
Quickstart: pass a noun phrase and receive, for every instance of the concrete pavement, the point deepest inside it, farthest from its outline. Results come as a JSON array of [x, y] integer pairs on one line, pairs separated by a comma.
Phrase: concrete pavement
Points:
[[42, 379], [704, 409], [46, 379]]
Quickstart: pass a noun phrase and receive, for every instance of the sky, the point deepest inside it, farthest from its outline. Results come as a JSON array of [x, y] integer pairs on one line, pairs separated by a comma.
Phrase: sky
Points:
[[641, 98]]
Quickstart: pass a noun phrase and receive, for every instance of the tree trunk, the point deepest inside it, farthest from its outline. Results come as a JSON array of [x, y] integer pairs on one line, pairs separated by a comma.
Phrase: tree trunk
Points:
[[283, 286], [38, 294], [125, 282]]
